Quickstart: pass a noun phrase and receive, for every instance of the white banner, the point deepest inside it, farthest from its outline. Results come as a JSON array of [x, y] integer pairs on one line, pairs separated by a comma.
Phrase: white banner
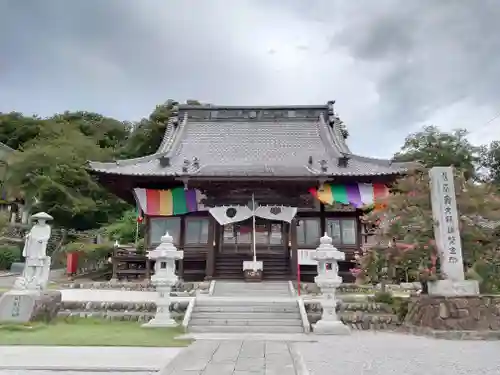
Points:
[[280, 213], [230, 214]]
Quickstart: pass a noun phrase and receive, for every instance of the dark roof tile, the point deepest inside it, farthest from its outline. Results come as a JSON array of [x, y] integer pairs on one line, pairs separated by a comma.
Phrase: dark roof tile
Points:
[[253, 145]]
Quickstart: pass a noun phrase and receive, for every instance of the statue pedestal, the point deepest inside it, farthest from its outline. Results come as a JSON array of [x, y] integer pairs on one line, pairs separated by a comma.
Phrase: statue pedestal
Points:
[[335, 327], [450, 288], [23, 306]]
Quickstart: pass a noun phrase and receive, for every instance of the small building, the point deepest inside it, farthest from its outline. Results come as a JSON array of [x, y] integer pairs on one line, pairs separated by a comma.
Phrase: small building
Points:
[[220, 157]]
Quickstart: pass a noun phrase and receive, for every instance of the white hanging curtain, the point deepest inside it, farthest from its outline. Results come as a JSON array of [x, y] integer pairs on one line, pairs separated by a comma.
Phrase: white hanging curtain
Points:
[[282, 213], [230, 214]]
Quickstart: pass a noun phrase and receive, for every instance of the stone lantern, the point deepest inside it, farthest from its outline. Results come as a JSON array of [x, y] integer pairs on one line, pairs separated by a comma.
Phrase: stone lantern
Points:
[[164, 278], [328, 280]]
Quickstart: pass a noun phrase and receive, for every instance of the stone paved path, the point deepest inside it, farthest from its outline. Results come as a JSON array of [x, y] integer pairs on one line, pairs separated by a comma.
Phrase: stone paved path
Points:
[[37, 372], [232, 357], [370, 353]]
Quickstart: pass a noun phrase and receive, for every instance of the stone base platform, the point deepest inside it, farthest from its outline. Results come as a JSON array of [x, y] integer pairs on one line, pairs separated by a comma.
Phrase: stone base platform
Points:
[[467, 317], [20, 306], [331, 328]]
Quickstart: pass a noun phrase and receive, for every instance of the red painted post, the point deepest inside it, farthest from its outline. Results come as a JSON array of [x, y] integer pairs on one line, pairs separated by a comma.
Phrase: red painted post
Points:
[[71, 263]]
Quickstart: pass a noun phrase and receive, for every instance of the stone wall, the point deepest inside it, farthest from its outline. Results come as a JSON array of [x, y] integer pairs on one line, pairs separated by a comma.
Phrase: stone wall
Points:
[[347, 288], [358, 315], [455, 317], [181, 289], [130, 311]]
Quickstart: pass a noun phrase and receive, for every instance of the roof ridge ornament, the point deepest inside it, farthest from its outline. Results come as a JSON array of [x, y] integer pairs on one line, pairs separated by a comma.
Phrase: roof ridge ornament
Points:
[[185, 165], [343, 161], [323, 165]]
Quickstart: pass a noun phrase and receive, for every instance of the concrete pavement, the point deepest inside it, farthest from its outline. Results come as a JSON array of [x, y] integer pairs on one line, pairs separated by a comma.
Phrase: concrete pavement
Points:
[[236, 357], [374, 353], [384, 353], [85, 358]]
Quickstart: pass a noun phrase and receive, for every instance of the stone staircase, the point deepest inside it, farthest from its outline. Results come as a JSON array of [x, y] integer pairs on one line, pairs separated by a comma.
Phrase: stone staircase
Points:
[[266, 289], [239, 307]]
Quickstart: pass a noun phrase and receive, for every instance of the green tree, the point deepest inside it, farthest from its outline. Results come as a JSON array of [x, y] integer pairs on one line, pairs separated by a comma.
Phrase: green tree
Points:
[[432, 147], [52, 171], [490, 162], [16, 130], [147, 134], [404, 229], [125, 228], [107, 132]]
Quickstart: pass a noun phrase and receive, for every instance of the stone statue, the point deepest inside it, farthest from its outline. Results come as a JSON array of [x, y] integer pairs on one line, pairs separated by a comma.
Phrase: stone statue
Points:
[[37, 267]]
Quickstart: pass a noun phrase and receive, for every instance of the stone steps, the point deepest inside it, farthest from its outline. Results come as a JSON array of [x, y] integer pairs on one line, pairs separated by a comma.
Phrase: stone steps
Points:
[[228, 309], [246, 329], [247, 307], [252, 321], [241, 289], [291, 315]]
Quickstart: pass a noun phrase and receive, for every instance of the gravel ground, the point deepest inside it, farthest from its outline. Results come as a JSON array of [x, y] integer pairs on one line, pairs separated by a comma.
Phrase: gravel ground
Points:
[[370, 353]]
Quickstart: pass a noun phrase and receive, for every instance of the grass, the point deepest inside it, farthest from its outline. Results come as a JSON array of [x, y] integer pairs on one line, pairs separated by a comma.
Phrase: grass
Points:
[[90, 332]]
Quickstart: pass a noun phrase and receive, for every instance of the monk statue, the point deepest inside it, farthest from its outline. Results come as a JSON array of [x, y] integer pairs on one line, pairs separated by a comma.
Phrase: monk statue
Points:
[[37, 267]]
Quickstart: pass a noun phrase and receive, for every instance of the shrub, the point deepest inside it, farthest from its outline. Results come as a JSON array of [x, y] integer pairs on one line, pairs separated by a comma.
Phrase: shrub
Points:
[[384, 297], [400, 307], [91, 256], [488, 275], [8, 255]]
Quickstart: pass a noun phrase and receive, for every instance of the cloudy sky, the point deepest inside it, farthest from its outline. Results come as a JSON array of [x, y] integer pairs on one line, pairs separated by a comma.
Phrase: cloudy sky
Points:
[[391, 65]]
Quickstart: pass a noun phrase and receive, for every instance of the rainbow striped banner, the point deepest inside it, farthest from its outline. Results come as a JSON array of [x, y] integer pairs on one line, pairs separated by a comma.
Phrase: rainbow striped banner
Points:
[[358, 195], [168, 202]]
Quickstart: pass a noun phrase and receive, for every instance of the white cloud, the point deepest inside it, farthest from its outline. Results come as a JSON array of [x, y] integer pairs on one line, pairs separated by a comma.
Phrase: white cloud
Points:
[[391, 68]]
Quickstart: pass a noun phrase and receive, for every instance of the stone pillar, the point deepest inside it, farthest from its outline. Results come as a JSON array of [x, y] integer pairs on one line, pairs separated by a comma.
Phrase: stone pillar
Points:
[[447, 235], [328, 280], [164, 278]]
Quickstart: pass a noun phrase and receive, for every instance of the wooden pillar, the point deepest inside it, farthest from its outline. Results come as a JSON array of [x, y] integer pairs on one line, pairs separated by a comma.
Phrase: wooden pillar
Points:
[[210, 260], [147, 245], [182, 237], [322, 219], [293, 247]]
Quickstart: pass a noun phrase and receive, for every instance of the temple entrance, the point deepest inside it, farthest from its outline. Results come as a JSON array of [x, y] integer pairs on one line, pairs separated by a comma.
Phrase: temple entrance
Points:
[[272, 248], [271, 237]]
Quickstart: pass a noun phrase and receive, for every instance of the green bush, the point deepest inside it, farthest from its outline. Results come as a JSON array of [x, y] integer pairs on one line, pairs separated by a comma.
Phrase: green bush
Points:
[[384, 297], [487, 272], [8, 255], [124, 230], [400, 307], [88, 253]]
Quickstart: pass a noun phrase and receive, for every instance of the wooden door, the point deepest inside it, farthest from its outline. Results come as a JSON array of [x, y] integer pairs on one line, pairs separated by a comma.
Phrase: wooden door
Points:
[[271, 237]]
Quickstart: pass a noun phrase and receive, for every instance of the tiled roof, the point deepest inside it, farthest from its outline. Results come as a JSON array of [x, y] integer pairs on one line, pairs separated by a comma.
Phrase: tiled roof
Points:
[[4, 147], [252, 142]]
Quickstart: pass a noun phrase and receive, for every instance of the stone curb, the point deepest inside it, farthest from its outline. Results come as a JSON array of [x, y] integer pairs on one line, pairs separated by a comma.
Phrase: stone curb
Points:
[[83, 369]]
